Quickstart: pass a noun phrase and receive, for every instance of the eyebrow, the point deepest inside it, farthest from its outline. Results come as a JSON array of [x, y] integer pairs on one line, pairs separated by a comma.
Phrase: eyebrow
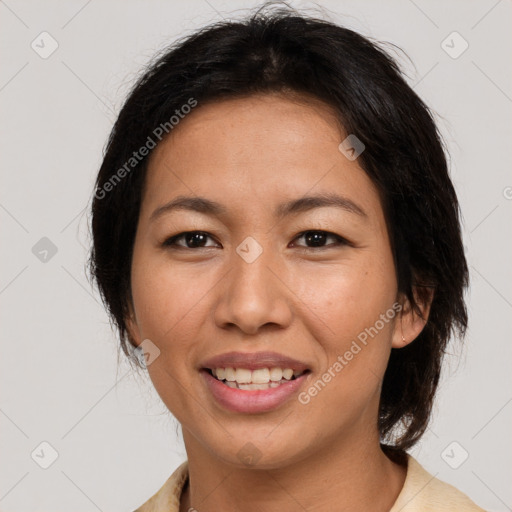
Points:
[[295, 206]]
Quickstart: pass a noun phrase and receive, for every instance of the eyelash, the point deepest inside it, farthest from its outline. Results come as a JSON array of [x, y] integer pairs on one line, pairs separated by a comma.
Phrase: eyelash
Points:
[[171, 241]]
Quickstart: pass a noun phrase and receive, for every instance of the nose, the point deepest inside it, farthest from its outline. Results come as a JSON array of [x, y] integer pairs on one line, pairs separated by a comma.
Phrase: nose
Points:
[[254, 295]]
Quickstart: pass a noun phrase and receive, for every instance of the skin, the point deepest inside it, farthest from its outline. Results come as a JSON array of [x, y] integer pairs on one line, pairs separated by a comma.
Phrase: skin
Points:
[[251, 154]]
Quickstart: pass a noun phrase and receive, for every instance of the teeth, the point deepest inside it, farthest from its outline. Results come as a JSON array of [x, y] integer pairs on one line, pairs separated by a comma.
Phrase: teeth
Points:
[[243, 376], [252, 386], [276, 374], [288, 373], [246, 387], [230, 374], [262, 378]]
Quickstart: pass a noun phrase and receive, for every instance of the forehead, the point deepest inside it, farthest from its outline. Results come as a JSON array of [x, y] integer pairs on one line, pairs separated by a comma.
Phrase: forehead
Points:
[[270, 126], [255, 150]]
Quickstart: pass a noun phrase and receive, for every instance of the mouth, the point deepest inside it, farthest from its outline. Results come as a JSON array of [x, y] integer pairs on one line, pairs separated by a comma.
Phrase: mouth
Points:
[[246, 391], [259, 379], [252, 383]]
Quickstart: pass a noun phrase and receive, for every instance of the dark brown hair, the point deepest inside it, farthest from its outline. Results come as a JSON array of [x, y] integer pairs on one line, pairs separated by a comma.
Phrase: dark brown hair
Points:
[[282, 50]]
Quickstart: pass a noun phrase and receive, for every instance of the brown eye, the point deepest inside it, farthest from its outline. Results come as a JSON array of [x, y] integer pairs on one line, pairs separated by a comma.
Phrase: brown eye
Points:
[[317, 239], [191, 239]]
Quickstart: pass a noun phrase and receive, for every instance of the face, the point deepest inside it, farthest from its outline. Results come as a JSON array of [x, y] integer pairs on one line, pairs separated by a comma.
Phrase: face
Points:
[[275, 313]]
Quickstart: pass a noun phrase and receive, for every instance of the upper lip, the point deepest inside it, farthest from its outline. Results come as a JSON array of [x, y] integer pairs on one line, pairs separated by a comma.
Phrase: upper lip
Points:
[[254, 361]]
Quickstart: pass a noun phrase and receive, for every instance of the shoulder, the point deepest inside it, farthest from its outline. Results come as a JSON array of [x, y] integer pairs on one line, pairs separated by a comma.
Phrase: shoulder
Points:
[[167, 498], [423, 492]]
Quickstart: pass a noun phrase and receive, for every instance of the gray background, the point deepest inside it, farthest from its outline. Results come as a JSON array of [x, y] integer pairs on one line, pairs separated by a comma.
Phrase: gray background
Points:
[[60, 379]]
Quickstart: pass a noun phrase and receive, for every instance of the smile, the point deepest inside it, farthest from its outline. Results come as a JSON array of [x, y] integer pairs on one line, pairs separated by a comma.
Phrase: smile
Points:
[[252, 397], [262, 378]]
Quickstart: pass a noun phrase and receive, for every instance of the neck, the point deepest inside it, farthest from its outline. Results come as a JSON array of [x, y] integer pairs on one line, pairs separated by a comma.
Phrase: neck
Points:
[[344, 476]]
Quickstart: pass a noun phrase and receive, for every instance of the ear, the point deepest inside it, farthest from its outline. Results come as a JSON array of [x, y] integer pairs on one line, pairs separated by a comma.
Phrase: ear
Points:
[[410, 322], [132, 327]]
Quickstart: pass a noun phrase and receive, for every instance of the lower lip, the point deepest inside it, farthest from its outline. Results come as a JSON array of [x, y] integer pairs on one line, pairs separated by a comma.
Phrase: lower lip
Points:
[[254, 400]]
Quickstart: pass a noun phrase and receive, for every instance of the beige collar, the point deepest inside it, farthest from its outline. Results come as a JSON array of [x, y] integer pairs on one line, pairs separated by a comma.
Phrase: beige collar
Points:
[[421, 492]]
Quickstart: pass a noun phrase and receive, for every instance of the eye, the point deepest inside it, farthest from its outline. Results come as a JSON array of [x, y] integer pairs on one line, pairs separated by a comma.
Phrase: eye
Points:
[[192, 240], [317, 239]]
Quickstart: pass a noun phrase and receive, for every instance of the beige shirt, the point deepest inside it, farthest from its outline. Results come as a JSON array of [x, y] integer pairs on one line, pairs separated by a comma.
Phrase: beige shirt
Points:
[[421, 493]]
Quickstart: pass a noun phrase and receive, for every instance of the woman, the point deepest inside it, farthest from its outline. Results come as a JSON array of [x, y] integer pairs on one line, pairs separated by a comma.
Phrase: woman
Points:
[[277, 239]]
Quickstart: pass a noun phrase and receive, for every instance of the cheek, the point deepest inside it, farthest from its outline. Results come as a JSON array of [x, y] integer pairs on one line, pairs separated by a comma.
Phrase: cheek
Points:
[[167, 297], [353, 322], [346, 299], [169, 302], [350, 314]]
